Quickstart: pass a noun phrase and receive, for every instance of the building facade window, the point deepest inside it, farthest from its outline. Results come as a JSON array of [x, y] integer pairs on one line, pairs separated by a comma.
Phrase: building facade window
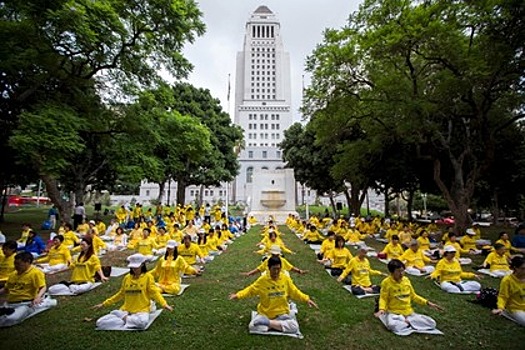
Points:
[[249, 175]]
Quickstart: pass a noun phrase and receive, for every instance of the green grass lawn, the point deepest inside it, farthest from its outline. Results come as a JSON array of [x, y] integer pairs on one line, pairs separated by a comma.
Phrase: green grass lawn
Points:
[[204, 318]]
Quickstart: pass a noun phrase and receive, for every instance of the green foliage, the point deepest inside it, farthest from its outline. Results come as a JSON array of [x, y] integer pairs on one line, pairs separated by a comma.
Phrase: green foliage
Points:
[[431, 84]]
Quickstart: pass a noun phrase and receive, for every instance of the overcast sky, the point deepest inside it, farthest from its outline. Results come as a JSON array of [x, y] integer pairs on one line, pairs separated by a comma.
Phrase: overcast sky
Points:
[[302, 24]]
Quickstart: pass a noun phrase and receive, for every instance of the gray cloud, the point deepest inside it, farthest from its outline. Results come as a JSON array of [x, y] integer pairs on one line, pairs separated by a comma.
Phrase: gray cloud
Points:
[[302, 24]]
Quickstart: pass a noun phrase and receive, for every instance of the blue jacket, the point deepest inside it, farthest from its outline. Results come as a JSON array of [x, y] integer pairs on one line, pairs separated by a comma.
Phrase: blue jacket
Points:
[[36, 246], [518, 241]]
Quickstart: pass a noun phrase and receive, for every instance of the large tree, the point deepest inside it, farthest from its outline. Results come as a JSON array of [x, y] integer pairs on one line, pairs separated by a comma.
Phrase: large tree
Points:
[[445, 75], [55, 48]]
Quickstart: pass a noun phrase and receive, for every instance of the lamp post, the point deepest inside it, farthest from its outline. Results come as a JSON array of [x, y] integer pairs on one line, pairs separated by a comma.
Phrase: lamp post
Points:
[[424, 196]]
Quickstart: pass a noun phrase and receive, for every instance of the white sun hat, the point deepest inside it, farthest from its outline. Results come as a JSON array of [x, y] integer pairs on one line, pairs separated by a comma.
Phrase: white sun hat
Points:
[[136, 260]]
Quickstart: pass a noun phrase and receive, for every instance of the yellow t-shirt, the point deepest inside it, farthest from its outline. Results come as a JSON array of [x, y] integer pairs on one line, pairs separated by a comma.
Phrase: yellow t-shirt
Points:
[[285, 266], [25, 286], [273, 295], [393, 251], [396, 297], [137, 293], [169, 271], [60, 255], [70, 238], [84, 270], [361, 271], [7, 266], [190, 253], [424, 243], [511, 294], [339, 257], [497, 262], [416, 259], [450, 271]]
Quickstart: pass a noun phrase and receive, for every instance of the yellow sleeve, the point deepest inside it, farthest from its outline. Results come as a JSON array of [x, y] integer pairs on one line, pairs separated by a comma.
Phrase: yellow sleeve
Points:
[[347, 270], [383, 295], [295, 293], [504, 294], [437, 272], [467, 275], [117, 296], [154, 292], [249, 291]]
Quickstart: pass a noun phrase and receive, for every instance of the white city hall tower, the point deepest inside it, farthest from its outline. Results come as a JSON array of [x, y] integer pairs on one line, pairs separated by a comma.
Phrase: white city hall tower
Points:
[[262, 101]]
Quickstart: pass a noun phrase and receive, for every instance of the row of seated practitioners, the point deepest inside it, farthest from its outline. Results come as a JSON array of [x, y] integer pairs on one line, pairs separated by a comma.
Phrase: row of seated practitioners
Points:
[[448, 272], [179, 257]]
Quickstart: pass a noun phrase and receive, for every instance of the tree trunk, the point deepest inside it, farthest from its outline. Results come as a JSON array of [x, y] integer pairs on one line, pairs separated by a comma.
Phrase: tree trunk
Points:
[[65, 208], [162, 186], [348, 201], [79, 193], [410, 203], [332, 203], [495, 208], [181, 191], [458, 196], [200, 198], [3, 188], [387, 203]]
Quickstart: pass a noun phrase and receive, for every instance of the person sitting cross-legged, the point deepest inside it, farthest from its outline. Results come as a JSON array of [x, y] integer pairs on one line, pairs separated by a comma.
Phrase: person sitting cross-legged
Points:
[[511, 301], [395, 302], [360, 271], [273, 309]]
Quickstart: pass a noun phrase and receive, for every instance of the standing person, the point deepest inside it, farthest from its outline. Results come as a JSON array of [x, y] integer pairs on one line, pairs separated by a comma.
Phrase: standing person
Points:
[[511, 299], [52, 216], [395, 302], [25, 290], [138, 290], [274, 290], [79, 215]]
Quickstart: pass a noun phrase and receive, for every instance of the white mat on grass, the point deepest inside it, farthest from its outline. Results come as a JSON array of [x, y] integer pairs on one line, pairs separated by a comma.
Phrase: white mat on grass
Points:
[[95, 285], [42, 266], [299, 236], [118, 271], [36, 311], [410, 330], [417, 274], [509, 317], [382, 240], [384, 261], [329, 271], [297, 335], [371, 254], [152, 317], [182, 289], [315, 246], [490, 273], [437, 284], [367, 295]]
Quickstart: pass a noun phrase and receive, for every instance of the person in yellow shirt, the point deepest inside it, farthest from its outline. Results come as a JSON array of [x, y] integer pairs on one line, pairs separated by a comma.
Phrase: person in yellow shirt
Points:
[[286, 266], [202, 242], [450, 274], [395, 302], [119, 240], [353, 236], [274, 289], [70, 237], [497, 261], [83, 228], [138, 289], [327, 245], [147, 245], [161, 240], [511, 296], [190, 252], [468, 242], [169, 269], [214, 247], [135, 235], [360, 271], [100, 226], [505, 241], [153, 231], [25, 289], [405, 236], [98, 245], [58, 258], [7, 260], [452, 241], [312, 236], [424, 241], [271, 240], [191, 230], [337, 259], [393, 250], [415, 261], [84, 267], [121, 214], [26, 228], [390, 232]]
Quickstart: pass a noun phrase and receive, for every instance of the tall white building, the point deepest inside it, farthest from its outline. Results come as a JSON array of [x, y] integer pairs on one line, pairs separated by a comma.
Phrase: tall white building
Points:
[[262, 99]]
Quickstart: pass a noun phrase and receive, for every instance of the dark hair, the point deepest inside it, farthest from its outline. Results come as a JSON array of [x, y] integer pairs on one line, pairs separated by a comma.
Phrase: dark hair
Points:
[[395, 264], [395, 237], [11, 245], [90, 251], [175, 254], [498, 246], [202, 238], [274, 261], [502, 233], [330, 233], [516, 262], [59, 237], [451, 234], [339, 239], [146, 229], [143, 269], [25, 257], [312, 228], [68, 225], [272, 234], [119, 228]]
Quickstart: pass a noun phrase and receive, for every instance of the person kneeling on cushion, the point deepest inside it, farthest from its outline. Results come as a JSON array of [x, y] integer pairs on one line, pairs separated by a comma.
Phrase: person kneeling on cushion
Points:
[[273, 309], [395, 302]]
